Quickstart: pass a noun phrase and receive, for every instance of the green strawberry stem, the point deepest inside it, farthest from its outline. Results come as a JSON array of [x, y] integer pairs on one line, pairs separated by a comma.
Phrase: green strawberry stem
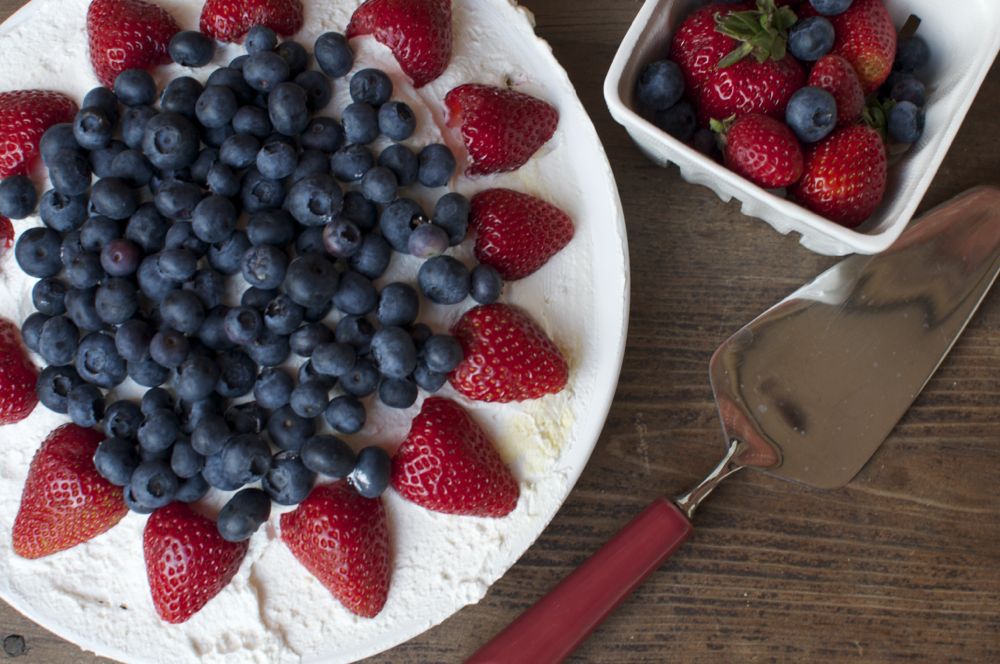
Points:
[[876, 116], [762, 32], [721, 129]]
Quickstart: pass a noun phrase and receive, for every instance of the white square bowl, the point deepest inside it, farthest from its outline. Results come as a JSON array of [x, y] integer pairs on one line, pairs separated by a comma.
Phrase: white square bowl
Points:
[[964, 38]]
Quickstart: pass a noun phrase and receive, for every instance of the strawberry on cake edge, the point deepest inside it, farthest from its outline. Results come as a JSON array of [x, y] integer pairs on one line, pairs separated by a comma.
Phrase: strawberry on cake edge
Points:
[[96, 594]]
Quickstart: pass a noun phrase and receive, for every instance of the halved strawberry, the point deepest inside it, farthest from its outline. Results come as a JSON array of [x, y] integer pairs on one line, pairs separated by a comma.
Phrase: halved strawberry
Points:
[[187, 561], [845, 175], [447, 464], [836, 75], [418, 32], [18, 376], [231, 20], [507, 356], [341, 537], [127, 34], [24, 117], [65, 502], [501, 128], [762, 149], [517, 233]]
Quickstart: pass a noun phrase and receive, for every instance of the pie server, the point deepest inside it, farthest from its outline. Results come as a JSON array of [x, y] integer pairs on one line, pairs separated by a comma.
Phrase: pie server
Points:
[[807, 392]]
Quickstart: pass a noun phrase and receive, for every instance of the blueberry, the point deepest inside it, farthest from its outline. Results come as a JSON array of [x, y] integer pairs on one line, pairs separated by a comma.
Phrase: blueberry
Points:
[[288, 430], [98, 361], [811, 38], [304, 340], [59, 137], [159, 430], [333, 359], [356, 331], [361, 380], [379, 185], [315, 200], [18, 197], [372, 258], [243, 515], [155, 400], [242, 325], [190, 48], [282, 316], [49, 296], [151, 281], [120, 258], [116, 460], [360, 123], [57, 341], [196, 378], [191, 413], [311, 162], [222, 180], [444, 280], [132, 167], [402, 162], [84, 271], [318, 313], [92, 128], [147, 372], [269, 349], [212, 333], [181, 96], [437, 165], [258, 298], [264, 266], [427, 241], [135, 87], [831, 7], [394, 352], [334, 54], [680, 121], [370, 476], [909, 88], [341, 238], [97, 231], [101, 160], [214, 219], [253, 121], [310, 399], [295, 55], [178, 264], [37, 252], [273, 388], [660, 85], [371, 86], [69, 171], [427, 380], [147, 228], [451, 212], [239, 151], [323, 134], [116, 300], [122, 420], [31, 330], [227, 256], [132, 339], [62, 213], [170, 141], [210, 435], [289, 481], [233, 79], [288, 108], [208, 286], [169, 348], [246, 417], [277, 160], [811, 114], [442, 353], [192, 489], [54, 385], [912, 54], [396, 121], [260, 193], [350, 163], [906, 122], [237, 373], [215, 475], [215, 137], [81, 309], [185, 461], [264, 70], [485, 284], [355, 294], [260, 38], [317, 87], [328, 455], [398, 220]]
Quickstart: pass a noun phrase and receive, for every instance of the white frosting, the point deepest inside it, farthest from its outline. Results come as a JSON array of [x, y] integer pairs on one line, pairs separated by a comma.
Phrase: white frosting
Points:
[[96, 594]]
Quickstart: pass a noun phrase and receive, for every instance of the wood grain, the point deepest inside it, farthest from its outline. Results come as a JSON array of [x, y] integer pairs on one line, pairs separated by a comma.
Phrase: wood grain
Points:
[[901, 565]]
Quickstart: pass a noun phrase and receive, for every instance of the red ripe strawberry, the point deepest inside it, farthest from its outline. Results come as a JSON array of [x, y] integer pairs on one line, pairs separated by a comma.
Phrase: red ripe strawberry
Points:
[[697, 47], [517, 233], [187, 561], [231, 20], [866, 38], [502, 128], [417, 31], [763, 150], [65, 502], [24, 117], [845, 175], [447, 464], [836, 75], [6, 234], [507, 356], [127, 34], [750, 87], [17, 376], [341, 537]]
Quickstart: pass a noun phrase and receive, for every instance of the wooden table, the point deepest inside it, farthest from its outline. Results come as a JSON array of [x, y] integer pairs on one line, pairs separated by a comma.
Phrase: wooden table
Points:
[[902, 565]]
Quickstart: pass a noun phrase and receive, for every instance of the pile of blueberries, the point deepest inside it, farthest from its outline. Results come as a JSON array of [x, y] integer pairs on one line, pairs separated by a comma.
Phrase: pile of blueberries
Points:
[[904, 94], [237, 178]]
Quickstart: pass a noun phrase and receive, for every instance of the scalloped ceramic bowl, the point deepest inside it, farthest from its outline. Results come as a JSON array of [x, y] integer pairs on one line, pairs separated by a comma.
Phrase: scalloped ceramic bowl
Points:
[[964, 41]]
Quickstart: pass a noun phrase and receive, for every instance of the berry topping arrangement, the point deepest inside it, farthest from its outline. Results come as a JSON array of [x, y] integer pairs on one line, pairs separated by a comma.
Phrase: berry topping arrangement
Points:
[[811, 97], [213, 311]]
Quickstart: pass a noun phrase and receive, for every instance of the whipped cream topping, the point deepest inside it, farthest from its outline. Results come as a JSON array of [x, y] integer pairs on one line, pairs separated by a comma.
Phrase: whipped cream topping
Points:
[[96, 594]]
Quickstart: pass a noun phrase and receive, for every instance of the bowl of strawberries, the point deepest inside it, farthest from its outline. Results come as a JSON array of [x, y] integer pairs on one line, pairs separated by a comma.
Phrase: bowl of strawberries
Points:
[[827, 118]]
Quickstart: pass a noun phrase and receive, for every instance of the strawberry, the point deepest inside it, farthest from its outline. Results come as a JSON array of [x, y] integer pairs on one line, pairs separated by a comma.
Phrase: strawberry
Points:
[[231, 20], [187, 561], [17, 375], [507, 356], [845, 175], [501, 128], [517, 233], [127, 34], [342, 538], [762, 150], [6, 234], [24, 117], [65, 502], [866, 38], [417, 31], [697, 47], [447, 464], [836, 75], [750, 87]]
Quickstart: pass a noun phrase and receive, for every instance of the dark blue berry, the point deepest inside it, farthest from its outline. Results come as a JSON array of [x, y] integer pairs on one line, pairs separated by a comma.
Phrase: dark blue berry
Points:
[[62, 213], [258, 298], [214, 219], [379, 185], [328, 455], [155, 400], [81, 309], [170, 141], [239, 151], [116, 459], [451, 212], [196, 378], [151, 281], [120, 257], [427, 241], [147, 372], [237, 373], [295, 55], [57, 138], [485, 284], [315, 200], [57, 341], [223, 181], [178, 264], [906, 122], [288, 108], [334, 54], [185, 461], [191, 413], [323, 134], [912, 54], [397, 222], [210, 435], [372, 258], [282, 315], [317, 87], [92, 128], [38, 252], [362, 379], [132, 339], [54, 385], [277, 160], [133, 125], [288, 430], [101, 160], [264, 70], [351, 162], [233, 79], [269, 349], [132, 167], [31, 330], [116, 300], [243, 515], [396, 121], [370, 476], [227, 256], [159, 430], [260, 38], [49, 297], [180, 96], [437, 165], [113, 198], [341, 238], [660, 85], [98, 231], [98, 361], [360, 123], [442, 353], [811, 38], [394, 352], [216, 106], [403, 163], [427, 380], [169, 348], [355, 294], [191, 48], [264, 266], [311, 162], [69, 171], [122, 419], [310, 399], [371, 86], [831, 7], [289, 481], [811, 114], [183, 311], [243, 324], [253, 121], [215, 475], [209, 286], [680, 121], [85, 270], [147, 228], [192, 489], [261, 193], [273, 388], [909, 88], [305, 339], [444, 280], [135, 87]]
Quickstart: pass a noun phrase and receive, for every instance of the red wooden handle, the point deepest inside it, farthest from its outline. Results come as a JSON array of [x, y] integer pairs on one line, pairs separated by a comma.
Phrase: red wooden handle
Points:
[[551, 629]]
